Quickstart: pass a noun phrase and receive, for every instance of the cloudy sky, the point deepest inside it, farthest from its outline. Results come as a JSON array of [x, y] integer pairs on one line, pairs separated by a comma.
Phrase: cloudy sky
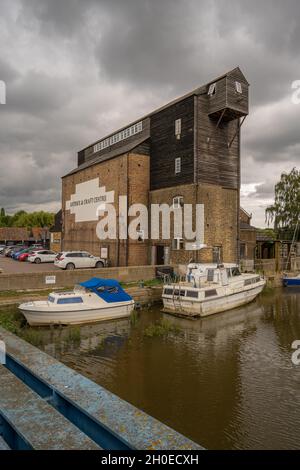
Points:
[[78, 69]]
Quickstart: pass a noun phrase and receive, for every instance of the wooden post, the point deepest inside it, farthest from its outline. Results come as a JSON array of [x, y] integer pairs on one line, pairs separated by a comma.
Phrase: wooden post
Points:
[[277, 256]]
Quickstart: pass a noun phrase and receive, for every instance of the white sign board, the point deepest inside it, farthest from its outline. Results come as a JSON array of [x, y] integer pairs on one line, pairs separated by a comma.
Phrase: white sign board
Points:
[[104, 253], [87, 199], [50, 280]]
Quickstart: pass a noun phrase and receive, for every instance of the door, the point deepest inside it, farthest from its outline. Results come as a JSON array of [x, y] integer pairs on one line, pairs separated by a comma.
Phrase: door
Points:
[[160, 251], [217, 254]]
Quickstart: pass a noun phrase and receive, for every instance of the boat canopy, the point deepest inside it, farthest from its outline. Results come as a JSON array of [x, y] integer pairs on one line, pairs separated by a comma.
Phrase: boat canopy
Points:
[[108, 289]]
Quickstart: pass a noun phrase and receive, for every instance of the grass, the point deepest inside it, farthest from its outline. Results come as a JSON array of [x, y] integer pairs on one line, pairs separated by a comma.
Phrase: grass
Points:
[[161, 328], [74, 335], [134, 318], [33, 337], [6, 294], [11, 321], [16, 324], [148, 283]]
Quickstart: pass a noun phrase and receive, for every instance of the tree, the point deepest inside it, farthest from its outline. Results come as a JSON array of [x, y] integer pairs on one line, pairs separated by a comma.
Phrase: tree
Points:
[[27, 220], [285, 212]]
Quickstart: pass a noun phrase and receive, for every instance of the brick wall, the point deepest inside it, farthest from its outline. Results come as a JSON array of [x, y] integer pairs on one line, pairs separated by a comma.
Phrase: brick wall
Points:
[[220, 212], [126, 175]]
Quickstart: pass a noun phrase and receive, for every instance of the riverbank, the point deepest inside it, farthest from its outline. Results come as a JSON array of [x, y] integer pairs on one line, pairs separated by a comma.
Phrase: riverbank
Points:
[[145, 293]]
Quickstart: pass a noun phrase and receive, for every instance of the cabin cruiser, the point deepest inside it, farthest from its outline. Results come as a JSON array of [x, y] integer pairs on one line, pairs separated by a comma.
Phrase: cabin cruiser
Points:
[[210, 288], [90, 301]]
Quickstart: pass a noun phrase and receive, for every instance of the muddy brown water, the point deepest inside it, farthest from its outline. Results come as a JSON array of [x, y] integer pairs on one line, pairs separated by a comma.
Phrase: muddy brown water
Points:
[[227, 381]]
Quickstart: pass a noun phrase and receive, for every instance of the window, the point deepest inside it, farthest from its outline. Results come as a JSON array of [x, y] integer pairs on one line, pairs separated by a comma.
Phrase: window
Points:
[[70, 300], [238, 87], [210, 293], [177, 202], [180, 293], [192, 293], [51, 299], [212, 89], [168, 291], [178, 244], [177, 165], [217, 254], [124, 134], [178, 128], [242, 250]]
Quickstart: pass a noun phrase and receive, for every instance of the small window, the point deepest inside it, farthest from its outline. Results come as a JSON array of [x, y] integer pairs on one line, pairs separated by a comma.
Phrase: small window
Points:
[[238, 87], [178, 127], [177, 202], [178, 244], [70, 300], [177, 165], [192, 293], [180, 293], [210, 293], [51, 299], [212, 89], [168, 291]]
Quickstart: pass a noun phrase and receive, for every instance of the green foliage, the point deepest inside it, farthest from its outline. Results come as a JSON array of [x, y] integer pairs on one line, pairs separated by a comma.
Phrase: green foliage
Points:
[[27, 220], [161, 328], [285, 211], [267, 232]]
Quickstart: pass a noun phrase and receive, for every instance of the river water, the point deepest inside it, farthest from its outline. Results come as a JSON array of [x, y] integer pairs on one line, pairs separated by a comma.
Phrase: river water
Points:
[[227, 381]]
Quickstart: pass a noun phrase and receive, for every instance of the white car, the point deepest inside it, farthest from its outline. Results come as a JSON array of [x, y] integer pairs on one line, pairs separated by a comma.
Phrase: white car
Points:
[[42, 256], [78, 259]]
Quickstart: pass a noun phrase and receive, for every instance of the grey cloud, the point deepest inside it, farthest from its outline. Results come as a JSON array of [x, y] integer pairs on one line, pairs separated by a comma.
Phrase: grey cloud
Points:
[[117, 60]]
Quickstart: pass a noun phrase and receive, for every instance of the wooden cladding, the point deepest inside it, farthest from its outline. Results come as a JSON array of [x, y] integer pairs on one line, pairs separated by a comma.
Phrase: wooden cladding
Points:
[[215, 162], [166, 146], [231, 95]]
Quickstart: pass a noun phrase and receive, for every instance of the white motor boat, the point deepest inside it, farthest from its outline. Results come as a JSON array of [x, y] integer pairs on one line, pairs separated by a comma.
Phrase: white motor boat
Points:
[[209, 289], [90, 301]]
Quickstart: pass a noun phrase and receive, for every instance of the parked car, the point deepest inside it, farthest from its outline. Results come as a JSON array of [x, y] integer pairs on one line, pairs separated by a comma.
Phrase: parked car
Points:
[[24, 255], [7, 249], [78, 259], [42, 256], [2, 248], [15, 254], [13, 250]]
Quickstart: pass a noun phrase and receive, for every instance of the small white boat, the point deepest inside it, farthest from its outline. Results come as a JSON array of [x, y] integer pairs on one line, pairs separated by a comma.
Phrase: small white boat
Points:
[[209, 289], [90, 301]]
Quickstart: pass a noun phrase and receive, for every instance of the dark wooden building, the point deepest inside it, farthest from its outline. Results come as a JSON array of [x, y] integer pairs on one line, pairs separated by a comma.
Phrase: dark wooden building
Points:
[[192, 146]]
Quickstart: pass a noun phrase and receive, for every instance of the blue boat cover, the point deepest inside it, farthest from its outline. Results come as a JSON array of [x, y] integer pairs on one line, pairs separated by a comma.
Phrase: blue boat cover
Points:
[[108, 289]]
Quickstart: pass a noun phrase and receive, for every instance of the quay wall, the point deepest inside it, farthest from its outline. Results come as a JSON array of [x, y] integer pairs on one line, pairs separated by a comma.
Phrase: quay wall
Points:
[[61, 278]]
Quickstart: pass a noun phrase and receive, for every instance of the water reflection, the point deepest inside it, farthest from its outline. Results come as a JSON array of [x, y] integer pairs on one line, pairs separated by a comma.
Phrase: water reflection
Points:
[[225, 381]]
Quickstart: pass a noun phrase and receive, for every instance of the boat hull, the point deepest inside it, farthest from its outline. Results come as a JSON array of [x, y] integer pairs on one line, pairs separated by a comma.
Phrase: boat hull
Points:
[[291, 281], [39, 317], [194, 308]]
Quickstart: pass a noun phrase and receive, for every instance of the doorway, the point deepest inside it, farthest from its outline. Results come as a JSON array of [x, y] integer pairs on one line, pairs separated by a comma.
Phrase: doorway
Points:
[[160, 254]]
